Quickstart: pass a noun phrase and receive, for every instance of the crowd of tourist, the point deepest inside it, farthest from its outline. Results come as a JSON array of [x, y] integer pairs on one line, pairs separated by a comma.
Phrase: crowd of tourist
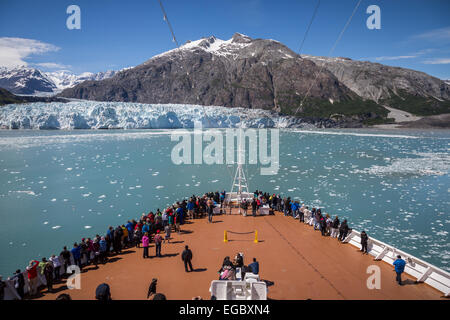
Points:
[[148, 228], [314, 216], [134, 233]]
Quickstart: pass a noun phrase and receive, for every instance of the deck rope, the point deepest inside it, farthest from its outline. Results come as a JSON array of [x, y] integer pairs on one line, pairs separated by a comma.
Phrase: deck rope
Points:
[[241, 232]]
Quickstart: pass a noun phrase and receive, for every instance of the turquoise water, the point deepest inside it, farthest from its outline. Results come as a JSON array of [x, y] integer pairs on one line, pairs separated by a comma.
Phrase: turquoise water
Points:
[[60, 186]]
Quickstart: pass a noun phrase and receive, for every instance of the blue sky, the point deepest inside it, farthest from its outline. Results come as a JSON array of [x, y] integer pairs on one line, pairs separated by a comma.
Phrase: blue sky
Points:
[[115, 34]]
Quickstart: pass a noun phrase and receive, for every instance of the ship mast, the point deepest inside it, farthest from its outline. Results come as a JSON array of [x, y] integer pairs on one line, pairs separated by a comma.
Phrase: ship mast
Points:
[[240, 180]]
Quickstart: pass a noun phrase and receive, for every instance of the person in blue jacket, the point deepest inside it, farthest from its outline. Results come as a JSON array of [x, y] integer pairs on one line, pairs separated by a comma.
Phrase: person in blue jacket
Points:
[[399, 268], [180, 213], [190, 208], [130, 228], [294, 208], [76, 253], [254, 266], [146, 228]]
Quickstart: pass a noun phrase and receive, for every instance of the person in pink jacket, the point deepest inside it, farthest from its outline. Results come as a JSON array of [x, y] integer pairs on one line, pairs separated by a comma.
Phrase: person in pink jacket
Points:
[[145, 243]]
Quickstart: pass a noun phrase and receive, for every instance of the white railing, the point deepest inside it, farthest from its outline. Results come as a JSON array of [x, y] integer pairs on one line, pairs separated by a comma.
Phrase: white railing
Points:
[[419, 269], [233, 196]]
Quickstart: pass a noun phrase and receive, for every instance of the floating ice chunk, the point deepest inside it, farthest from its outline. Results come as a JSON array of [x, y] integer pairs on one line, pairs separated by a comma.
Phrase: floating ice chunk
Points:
[[56, 227], [29, 192]]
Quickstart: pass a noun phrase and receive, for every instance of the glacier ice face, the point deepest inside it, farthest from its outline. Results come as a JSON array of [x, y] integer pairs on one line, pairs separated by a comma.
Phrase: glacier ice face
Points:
[[124, 115]]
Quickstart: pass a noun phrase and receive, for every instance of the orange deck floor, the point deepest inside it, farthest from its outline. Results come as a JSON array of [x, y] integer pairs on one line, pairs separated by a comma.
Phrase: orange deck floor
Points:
[[299, 262]]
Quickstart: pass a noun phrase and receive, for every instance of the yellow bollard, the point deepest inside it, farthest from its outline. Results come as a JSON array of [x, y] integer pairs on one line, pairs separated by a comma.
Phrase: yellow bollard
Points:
[[225, 238], [256, 236]]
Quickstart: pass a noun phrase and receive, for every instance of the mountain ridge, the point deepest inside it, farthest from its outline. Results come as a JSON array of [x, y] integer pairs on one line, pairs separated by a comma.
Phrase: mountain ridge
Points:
[[263, 74], [32, 81], [266, 74], [239, 72]]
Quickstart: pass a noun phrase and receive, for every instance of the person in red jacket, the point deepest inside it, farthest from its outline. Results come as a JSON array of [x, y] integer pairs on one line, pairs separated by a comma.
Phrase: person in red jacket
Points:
[[151, 216], [32, 277], [158, 239]]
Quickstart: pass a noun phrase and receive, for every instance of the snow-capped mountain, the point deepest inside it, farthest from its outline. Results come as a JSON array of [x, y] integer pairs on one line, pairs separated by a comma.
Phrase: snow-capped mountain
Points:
[[239, 72], [25, 80], [64, 79], [265, 74], [213, 45], [32, 81]]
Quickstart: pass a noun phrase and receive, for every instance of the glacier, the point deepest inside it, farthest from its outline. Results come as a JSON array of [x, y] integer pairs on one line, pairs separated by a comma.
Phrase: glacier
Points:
[[81, 114]]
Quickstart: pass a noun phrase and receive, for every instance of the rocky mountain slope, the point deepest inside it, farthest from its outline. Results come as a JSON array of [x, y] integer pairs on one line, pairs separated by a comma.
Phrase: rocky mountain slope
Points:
[[239, 72], [7, 97], [401, 88], [265, 74]]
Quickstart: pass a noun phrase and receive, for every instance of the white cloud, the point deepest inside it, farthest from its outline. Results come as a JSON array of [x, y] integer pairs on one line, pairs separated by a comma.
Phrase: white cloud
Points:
[[410, 56], [437, 61], [442, 34], [52, 65], [383, 58], [14, 51]]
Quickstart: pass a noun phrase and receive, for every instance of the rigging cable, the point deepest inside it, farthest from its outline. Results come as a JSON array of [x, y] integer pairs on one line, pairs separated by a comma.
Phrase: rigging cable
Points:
[[329, 54], [174, 39], [309, 26]]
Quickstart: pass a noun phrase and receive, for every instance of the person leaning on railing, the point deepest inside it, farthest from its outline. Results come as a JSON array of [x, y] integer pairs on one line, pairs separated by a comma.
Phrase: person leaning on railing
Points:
[[335, 227], [364, 241], [399, 268], [2, 288], [19, 283], [343, 230], [32, 277]]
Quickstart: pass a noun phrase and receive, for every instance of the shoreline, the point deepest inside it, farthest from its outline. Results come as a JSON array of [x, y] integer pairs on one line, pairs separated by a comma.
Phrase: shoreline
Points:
[[389, 127]]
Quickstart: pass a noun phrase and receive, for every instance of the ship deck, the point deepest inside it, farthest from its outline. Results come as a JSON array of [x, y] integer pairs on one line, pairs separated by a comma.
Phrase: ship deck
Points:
[[296, 261]]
